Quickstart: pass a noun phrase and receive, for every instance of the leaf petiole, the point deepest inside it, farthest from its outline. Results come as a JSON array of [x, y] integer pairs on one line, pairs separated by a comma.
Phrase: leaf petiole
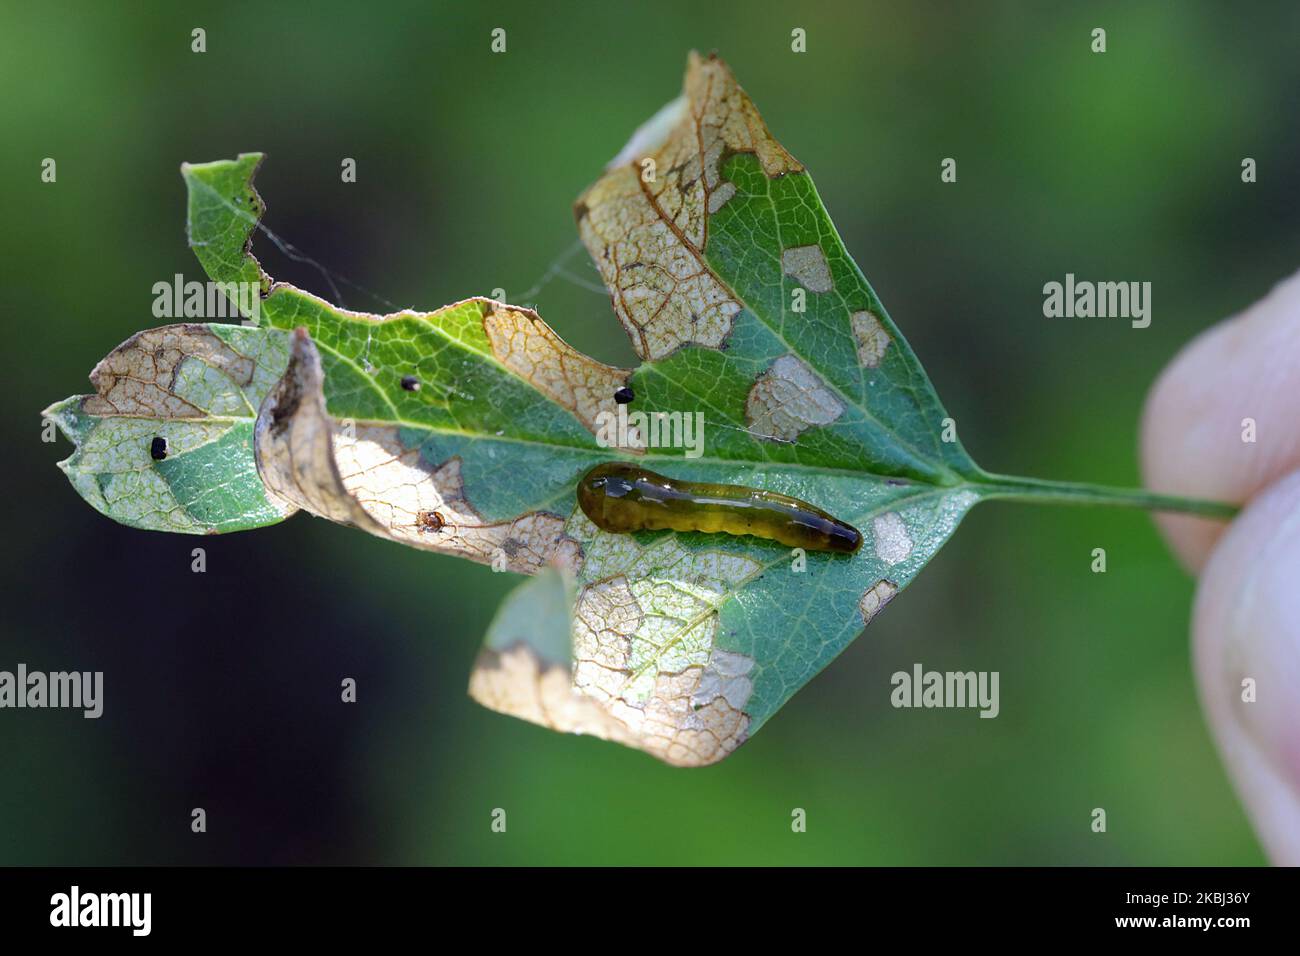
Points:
[[1014, 488]]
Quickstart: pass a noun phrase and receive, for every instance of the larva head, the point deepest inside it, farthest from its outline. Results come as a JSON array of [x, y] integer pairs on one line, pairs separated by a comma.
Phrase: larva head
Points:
[[605, 493]]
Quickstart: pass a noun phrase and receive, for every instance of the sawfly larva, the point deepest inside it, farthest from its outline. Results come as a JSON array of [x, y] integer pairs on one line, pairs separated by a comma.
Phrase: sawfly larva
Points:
[[622, 497]]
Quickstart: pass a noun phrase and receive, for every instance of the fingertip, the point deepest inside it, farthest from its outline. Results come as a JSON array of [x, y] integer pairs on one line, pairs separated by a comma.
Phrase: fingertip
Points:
[[1246, 639], [1172, 437], [1220, 422]]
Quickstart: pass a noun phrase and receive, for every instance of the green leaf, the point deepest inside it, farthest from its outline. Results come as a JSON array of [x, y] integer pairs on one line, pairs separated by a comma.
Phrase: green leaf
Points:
[[465, 431]]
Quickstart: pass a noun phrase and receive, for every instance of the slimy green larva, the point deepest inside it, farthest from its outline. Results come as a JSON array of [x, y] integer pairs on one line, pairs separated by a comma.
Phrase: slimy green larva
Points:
[[622, 497]]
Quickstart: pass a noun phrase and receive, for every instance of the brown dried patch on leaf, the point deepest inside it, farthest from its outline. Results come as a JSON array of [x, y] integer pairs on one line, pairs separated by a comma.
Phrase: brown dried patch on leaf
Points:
[[871, 339], [689, 717], [679, 726], [644, 646], [643, 655], [788, 398], [728, 120], [527, 346], [646, 224], [364, 476], [395, 486], [679, 730], [516, 681], [892, 541], [293, 442], [807, 265], [159, 374], [875, 598]]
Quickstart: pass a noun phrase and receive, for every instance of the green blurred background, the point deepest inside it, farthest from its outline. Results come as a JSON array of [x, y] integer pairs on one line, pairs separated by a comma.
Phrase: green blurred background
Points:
[[222, 689]]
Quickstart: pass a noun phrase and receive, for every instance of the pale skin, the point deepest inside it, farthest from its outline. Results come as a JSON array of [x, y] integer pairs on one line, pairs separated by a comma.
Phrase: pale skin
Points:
[[1246, 616]]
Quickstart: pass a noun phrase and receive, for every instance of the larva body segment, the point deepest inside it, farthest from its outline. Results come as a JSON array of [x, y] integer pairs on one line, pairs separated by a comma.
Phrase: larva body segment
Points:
[[621, 497]]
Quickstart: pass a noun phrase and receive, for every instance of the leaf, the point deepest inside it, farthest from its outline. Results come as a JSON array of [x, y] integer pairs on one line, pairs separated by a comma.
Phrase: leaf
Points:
[[692, 641], [465, 430], [166, 441]]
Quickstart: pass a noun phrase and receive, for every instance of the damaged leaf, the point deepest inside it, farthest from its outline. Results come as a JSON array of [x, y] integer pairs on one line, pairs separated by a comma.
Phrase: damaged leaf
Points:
[[465, 431], [166, 441]]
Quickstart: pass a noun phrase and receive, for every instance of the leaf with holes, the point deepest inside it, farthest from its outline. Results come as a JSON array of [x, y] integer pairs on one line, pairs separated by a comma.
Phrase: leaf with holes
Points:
[[767, 362]]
